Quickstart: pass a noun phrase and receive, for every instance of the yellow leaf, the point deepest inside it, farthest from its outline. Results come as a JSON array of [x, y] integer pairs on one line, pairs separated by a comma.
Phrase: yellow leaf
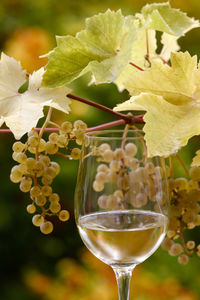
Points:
[[176, 83], [21, 111], [196, 160], [168, 126]]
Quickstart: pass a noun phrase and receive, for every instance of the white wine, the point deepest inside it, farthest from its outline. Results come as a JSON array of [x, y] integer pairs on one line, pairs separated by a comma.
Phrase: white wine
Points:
[[122, 237]]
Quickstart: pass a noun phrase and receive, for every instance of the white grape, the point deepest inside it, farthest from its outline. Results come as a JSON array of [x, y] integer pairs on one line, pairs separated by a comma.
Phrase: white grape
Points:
[[55, 207], [183, 259], [18, 147], [130, 149], [119, 154], [108, 155], [46, 190], [75, 153], [37, 220], [190, 245], [103, 201], [51, 148], [79, 124], [35, 191], [103, 168], [40, 200], [31, 208], [98, 186], [54, 197], [53, 138], [46, 227], [42, 145], [101, 177], [33, 141], [66, 127], [115, 165], [176, 249], [63, 215]]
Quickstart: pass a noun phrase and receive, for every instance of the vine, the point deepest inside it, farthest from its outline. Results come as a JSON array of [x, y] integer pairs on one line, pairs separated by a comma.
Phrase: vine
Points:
[[156, 83]]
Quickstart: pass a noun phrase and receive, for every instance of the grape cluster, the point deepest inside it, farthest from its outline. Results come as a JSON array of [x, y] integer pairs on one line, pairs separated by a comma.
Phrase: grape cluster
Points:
[[184, 214], [36, 173], [134, 181]]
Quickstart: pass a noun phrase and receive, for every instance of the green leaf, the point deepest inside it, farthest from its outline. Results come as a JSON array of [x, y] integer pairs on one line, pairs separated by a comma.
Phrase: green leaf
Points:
[[176, 83], [162, 17], [103, 49], [168, 127]]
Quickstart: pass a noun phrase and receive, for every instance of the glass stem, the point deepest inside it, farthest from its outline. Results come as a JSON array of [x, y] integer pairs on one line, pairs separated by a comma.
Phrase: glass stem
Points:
[[123, 276]]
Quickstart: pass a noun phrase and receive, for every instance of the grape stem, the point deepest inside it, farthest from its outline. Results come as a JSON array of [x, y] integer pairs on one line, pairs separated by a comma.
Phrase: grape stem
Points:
[[163, 60], [137, 67], [182, 239], [171, 166], [54, 124], [147, 56], [137, 119], [48, 117], [63, 155], [106, 125], [182, 164], [125, 135]]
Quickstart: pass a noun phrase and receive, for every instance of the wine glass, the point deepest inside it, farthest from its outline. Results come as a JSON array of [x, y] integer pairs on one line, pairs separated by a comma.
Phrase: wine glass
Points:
[[121, 201]]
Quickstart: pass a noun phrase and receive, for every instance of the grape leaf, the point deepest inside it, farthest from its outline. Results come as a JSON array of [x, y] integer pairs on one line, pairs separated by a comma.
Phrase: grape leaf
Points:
[[168, 126], [156, 17], [196, 160], [177, 84], [163, 17], [139, 51], [21, 111], [103, 49], [170, 45]]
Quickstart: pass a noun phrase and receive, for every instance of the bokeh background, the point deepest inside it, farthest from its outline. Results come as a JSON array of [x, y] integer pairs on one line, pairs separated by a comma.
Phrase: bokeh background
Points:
[[58, 267]]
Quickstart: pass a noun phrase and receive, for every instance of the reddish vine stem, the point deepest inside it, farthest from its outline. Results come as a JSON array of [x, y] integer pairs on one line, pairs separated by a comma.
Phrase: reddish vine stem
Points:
[[147, 56], [137, 67], [163, 60], [128, 119], [106, 125], [137, 119]]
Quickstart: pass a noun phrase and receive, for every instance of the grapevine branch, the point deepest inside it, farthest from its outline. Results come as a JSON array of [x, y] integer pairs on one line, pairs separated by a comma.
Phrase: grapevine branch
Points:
[[124, 119], [107, 125], [127, 118], [137, 67], [137, 119]]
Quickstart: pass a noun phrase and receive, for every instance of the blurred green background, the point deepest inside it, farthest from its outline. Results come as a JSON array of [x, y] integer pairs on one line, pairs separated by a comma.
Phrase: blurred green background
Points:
[[58, 267]]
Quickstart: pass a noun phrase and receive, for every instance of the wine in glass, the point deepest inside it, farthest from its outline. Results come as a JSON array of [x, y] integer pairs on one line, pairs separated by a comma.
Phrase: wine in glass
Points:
[[121, 201]]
